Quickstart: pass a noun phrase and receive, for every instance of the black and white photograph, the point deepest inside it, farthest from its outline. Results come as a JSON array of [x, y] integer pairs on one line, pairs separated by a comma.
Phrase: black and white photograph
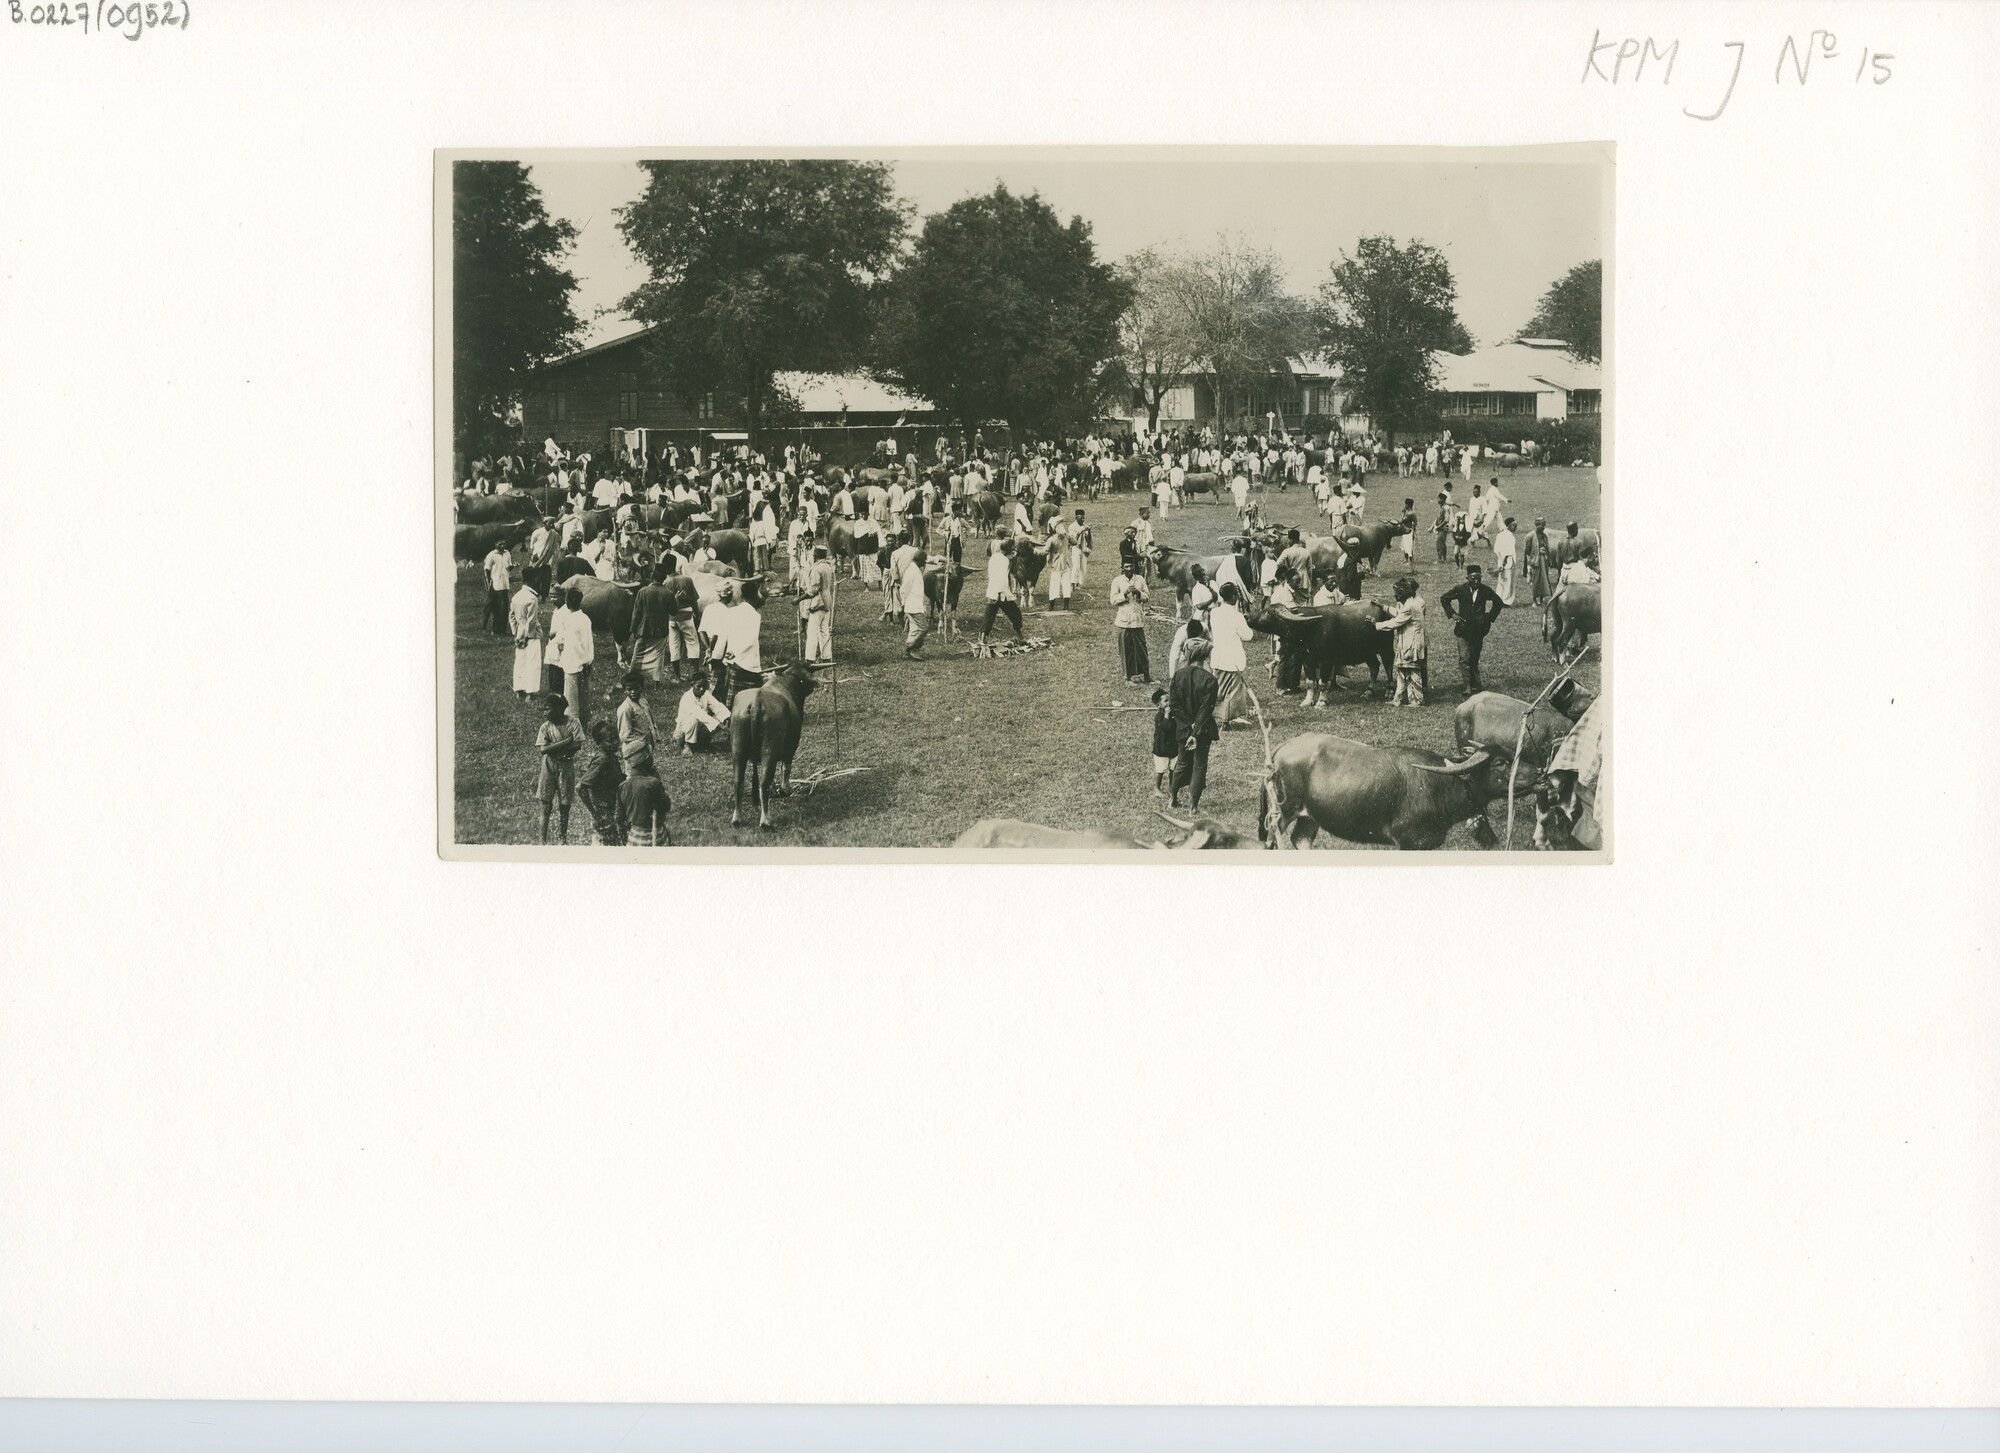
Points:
[[1036, 501]]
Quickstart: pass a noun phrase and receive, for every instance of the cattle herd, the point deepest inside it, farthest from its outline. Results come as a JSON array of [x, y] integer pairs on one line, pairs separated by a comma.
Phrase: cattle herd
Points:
[[725, 523]]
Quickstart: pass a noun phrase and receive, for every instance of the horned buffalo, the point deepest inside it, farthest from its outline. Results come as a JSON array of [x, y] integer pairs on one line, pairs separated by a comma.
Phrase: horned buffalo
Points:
[[473, 542], [1368, 540], [1401, 797], [1327, 639], [1029, 558], [495, 509], [732, 547], [608, 604], [1206, 482], [764, 728], [1575, 610]]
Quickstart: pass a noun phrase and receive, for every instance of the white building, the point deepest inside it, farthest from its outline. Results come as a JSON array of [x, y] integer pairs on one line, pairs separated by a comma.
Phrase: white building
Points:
[[1535, 378]]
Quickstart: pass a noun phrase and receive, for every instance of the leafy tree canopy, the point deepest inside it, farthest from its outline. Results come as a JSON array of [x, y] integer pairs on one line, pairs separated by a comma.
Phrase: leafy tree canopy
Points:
[[1573, 310], [510, 295], [758, 267], [1233, 314], [1381, 314], [1002, 311]]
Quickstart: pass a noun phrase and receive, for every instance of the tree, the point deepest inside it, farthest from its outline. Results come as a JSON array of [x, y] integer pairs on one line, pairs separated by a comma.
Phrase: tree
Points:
[[1155, 351], [1003, 312], [1234, 315], [758, 267], [1381, 315], [510, 296], [1573, 310]]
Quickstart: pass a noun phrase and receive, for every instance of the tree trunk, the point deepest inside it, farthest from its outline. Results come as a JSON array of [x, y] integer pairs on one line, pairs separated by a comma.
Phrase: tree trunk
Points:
[[753, 407]]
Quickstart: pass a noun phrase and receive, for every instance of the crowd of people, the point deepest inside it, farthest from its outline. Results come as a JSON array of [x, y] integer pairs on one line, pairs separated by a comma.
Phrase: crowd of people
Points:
[[657, 519]]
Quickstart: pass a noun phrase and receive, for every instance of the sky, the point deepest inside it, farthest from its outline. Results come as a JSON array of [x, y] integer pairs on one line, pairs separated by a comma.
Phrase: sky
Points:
[[1509, 229]]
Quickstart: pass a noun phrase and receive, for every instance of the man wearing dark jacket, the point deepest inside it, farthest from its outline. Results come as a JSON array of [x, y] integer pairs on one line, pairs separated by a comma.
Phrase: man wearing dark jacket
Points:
[[1191, 704], [1471, 608]]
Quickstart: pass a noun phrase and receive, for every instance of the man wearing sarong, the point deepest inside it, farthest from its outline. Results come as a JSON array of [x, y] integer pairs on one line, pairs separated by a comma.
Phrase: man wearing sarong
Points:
[[524, 616], [652, 625]]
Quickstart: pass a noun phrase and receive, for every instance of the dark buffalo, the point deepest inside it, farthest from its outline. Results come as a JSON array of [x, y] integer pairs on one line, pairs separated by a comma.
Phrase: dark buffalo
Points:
[[1135, 473], [1581, 546], [1327, 639], [572, 567], [1029, 558], [732, 547], [764, 728], [1574, 611], [608, 604], [595, 523], [942, 589], [850, 539], [495, 509], [472, 542], [1174, 566], [1368, 540], [983, 509], [1401, 797], [1206, 482]]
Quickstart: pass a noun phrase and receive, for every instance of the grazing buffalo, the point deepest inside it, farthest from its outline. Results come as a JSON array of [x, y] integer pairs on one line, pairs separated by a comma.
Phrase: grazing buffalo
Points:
[[495, 509], [472, 542], [942, 588], [1011, 834], [1367, 541], [1327, 639], [764, 727], [849, 540], [1401, 797], [1575, 610]]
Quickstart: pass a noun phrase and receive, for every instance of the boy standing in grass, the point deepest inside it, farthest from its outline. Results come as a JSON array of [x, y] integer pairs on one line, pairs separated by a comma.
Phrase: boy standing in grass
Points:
[[1164, 747], [556, 743]]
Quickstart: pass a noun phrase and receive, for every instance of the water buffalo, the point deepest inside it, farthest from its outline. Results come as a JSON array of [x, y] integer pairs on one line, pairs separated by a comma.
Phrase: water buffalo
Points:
[[595, 523], [850, 539], [1029, 558], [732, 547], [1175, 566], [764, 728], [608, 604], [494, 509], [1206, 482], [1368, 540], [1575, 610], [942, 589], [472, 542], [1580, 546], [1492, 721], [983, 509], [1012, 834], [1327, 639], [1136, 472], [874, 476], [1401, 797]]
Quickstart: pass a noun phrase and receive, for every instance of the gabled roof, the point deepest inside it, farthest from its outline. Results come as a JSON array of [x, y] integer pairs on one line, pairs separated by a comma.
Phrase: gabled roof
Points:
[[621, 341], [1514, 368]]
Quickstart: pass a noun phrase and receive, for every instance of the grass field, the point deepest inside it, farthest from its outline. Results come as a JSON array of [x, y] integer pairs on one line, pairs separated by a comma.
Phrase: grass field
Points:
[[950, 739]]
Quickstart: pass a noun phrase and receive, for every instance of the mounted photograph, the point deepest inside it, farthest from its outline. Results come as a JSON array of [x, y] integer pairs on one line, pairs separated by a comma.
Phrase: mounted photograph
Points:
[[1075, 503]]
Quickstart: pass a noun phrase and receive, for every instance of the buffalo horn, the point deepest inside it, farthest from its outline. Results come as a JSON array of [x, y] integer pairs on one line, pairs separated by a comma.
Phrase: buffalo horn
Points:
[[1457, 769], [1183, 826]]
